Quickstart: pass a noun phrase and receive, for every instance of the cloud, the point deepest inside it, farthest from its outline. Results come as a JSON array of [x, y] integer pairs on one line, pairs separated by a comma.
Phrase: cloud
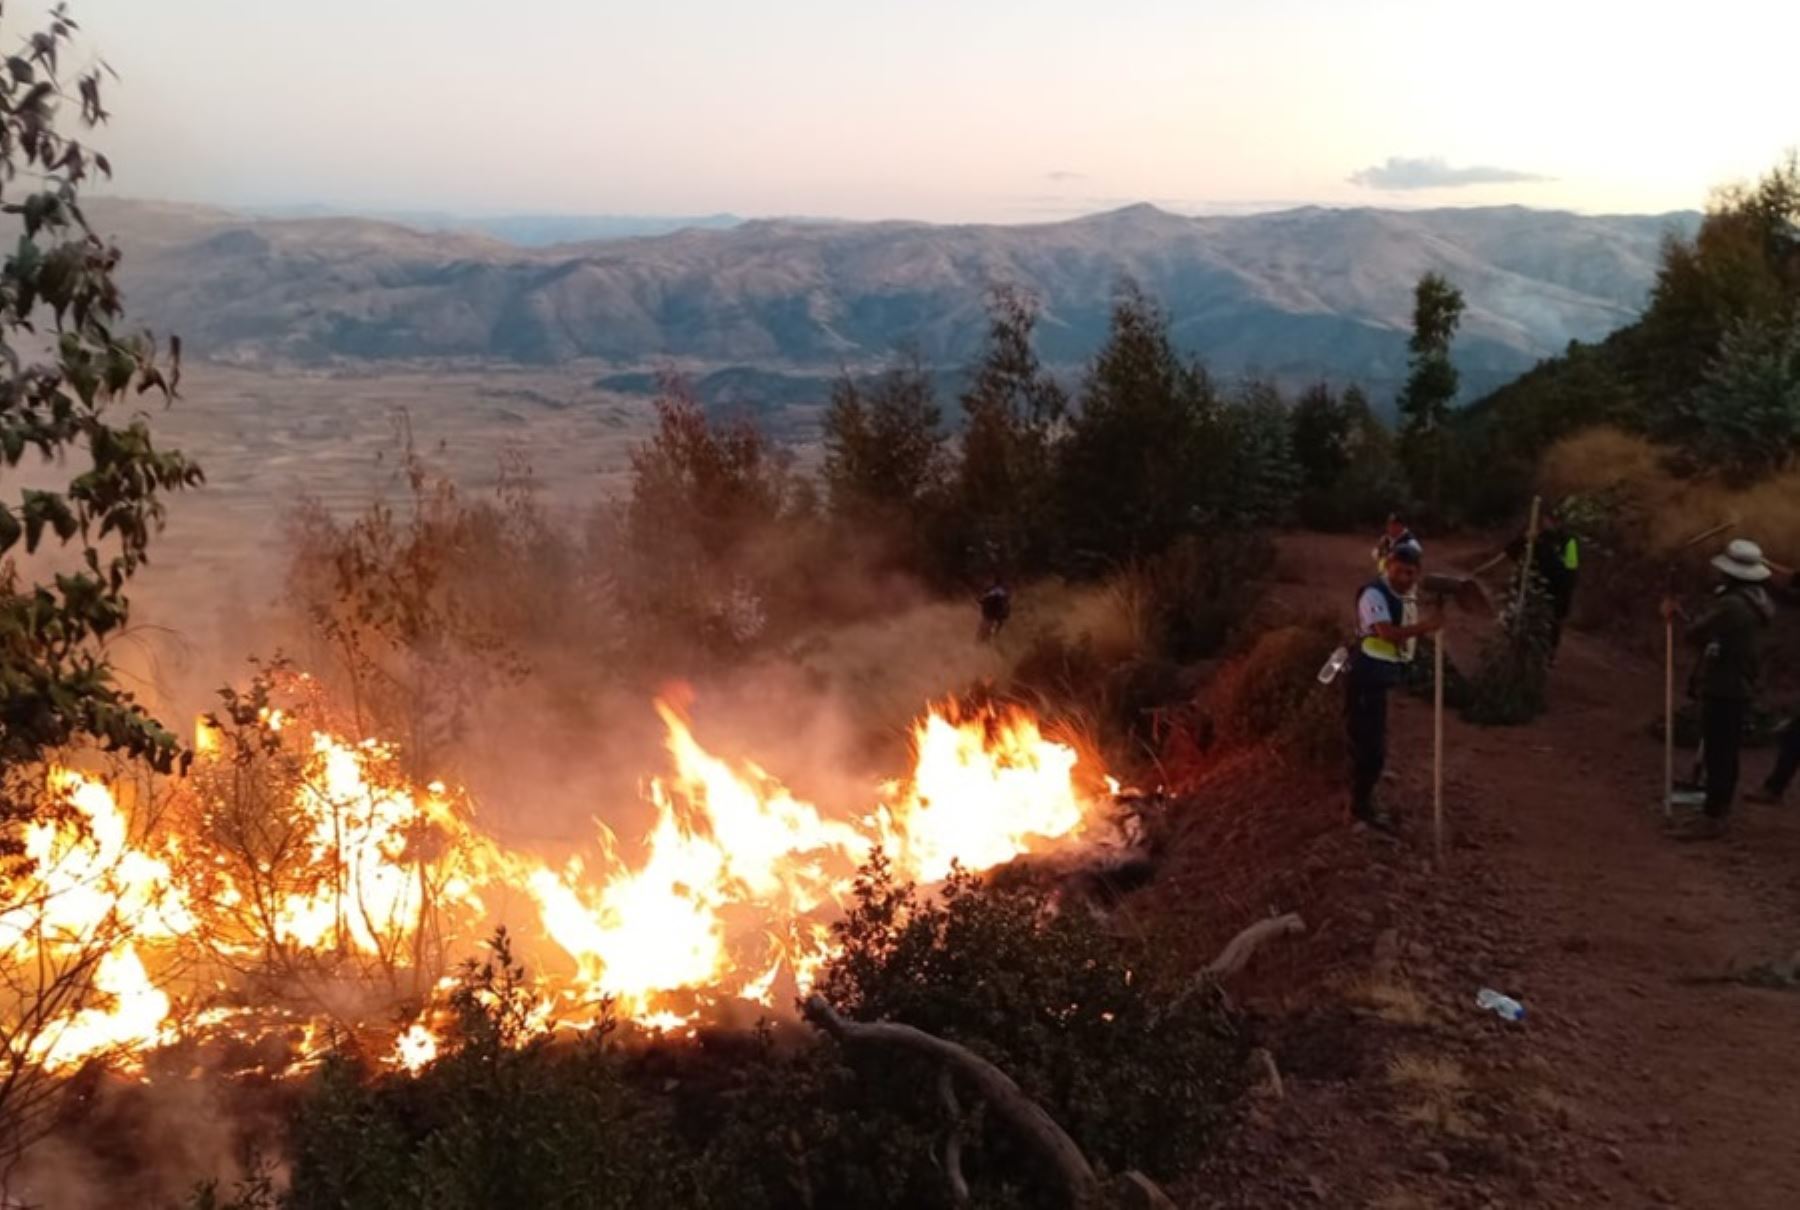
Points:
[[1063, 176], [1434, 172]]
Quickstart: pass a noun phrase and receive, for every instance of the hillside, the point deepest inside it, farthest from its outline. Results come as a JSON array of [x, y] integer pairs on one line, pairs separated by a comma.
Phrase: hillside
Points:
[[1297, 294]]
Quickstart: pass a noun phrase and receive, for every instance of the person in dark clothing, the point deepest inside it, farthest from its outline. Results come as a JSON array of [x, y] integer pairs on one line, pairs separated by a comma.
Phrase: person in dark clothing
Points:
[[1787, 763], [996, 608], [1787, 751], [1556, 557], [1395, 534], [1387, 630], [1728, 634]]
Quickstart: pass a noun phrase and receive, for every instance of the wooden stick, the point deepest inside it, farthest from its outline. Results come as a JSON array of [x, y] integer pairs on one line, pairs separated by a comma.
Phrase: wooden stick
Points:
[[1668, 716], [1437, 747], [1525, 568], [1037, 1129], [1490, 564], [1704, 534], [1238, 951]]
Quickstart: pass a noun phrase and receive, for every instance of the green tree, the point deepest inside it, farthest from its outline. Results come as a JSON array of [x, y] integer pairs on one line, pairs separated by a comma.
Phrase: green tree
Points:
[[1741, 267], [1004, 481], [1744, 417], [1321, 437], [700, 492], [1264, 477], [1430, 385], [58, 290], [1144, 458], [884, 452]]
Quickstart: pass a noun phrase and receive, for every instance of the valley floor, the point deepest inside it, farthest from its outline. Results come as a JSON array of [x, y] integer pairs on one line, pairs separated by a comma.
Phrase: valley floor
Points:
[[1646, 1073]]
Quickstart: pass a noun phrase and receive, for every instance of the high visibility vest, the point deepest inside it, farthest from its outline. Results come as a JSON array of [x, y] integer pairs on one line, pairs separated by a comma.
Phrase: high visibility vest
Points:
[[1374, 646], [1571, 556]]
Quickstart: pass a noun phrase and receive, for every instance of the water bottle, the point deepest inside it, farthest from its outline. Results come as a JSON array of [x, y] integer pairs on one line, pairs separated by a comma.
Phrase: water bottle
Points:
[[1504, 1006], [1334, 665]]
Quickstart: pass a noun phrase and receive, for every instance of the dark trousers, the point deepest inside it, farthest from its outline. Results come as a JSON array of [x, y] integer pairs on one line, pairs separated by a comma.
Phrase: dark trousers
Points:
[[1366, 724], [1787, 759], [1722, 731], [1562, 601]]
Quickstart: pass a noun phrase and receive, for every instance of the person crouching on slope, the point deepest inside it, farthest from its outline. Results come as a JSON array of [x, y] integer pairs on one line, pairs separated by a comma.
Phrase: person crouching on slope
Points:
[[1387, 633], [1728, 634]]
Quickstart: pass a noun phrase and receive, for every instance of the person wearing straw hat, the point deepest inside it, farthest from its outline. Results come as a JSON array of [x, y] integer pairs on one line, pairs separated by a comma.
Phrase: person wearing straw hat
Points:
[[1728, 634]]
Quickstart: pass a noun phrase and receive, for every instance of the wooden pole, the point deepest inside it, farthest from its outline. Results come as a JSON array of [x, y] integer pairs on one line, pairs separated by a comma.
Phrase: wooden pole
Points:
[[1668, 716], [1437, 746], [1525, 568]]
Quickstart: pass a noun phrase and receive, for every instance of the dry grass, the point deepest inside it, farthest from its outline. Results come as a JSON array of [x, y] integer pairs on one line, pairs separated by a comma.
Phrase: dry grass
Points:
[[1393, 1001], [1433, 1089], [1674, 509]]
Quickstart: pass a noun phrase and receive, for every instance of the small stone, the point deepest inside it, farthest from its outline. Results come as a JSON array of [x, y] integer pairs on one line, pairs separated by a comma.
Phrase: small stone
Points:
[[1435, 1161], [1616, 1156]]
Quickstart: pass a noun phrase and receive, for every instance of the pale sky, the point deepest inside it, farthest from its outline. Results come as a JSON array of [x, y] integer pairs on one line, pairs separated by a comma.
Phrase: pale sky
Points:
[[941, 109]]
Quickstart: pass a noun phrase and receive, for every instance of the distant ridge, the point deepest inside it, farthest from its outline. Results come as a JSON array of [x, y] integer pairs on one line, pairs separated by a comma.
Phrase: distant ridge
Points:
[[1304, 293]]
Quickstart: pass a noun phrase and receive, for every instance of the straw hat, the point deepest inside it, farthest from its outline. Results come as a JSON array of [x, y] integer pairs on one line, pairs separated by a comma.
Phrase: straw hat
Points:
[[1743, 560]]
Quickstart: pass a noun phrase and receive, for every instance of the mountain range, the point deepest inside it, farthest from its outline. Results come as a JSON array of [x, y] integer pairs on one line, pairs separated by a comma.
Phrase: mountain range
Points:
[[1299, 294]]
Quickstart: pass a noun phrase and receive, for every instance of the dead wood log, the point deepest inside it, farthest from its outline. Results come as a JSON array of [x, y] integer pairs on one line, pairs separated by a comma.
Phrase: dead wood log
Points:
[[1135, 1191], [1051, 1142], [953, 1144], [1240, 949]]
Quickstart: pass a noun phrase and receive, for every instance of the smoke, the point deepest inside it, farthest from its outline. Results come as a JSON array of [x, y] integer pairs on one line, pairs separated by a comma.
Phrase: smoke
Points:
[[149, 1143]]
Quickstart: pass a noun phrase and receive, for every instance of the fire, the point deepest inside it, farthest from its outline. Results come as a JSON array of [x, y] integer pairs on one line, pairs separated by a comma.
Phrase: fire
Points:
[[338, 867]]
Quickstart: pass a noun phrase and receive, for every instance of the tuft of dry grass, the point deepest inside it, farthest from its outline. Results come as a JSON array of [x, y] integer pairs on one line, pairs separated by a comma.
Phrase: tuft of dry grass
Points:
[[1672, 508], [1393, 1001], [1434, 1088]]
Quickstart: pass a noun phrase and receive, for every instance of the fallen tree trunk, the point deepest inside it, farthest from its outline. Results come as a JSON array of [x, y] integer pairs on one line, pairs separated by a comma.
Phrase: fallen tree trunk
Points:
[[1051, 1142], [1237, 953]]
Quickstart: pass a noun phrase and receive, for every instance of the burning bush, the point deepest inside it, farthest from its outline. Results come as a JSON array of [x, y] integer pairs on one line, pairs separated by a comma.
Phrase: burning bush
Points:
[[1140, 1067]]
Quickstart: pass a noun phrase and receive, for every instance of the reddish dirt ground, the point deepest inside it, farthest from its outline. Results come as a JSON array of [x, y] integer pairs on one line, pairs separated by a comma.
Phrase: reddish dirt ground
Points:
[[1644, 1073]]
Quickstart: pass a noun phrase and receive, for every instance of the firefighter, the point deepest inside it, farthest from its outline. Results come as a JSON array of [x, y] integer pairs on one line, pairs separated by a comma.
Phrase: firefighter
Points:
[[996, 608], [1729, 633], [1787, 751], [1387, 630], [1556, 557]]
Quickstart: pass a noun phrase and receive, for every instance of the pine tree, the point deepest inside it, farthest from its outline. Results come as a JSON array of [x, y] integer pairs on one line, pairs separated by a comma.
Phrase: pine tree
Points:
[[1005, 515], [1745, 415], [1431, 385], [1265, 477], [884, 450], [1144, 461]]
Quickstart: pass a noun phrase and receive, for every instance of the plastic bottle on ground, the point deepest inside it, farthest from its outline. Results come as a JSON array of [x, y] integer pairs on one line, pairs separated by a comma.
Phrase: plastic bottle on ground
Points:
[[1504, 1006]]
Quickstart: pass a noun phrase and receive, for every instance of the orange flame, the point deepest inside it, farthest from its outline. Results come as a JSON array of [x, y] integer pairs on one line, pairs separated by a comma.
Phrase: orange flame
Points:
[[729, 898]]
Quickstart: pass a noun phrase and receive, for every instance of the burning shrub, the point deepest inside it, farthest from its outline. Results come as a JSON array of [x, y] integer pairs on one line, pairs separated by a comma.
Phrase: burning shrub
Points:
[[1138, 1065], [1271, 694]]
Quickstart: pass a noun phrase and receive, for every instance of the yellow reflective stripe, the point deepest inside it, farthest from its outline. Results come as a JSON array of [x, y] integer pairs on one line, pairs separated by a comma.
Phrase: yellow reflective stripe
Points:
[[1381, 649]]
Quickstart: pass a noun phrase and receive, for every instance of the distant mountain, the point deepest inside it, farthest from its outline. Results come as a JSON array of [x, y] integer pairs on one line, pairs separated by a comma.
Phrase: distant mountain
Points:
[[526, 230], [1297, 294]]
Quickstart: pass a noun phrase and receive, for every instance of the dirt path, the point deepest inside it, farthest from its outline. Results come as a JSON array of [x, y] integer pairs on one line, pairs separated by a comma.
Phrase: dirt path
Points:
[[1640, 1078]]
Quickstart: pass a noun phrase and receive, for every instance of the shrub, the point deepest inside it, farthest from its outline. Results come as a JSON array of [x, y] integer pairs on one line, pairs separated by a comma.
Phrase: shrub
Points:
[[1508, 687], [1272, 694], [1137, 1069]]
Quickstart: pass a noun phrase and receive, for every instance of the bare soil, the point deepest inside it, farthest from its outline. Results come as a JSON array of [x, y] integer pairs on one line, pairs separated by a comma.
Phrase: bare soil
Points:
[[1647, 1072]]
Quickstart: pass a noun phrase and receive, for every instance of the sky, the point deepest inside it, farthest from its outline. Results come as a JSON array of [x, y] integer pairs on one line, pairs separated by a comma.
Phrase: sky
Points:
[[944, 110]]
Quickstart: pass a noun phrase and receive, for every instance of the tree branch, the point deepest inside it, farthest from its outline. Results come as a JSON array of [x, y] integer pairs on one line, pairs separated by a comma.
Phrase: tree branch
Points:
[[1051, 1142], [1237, 953]]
